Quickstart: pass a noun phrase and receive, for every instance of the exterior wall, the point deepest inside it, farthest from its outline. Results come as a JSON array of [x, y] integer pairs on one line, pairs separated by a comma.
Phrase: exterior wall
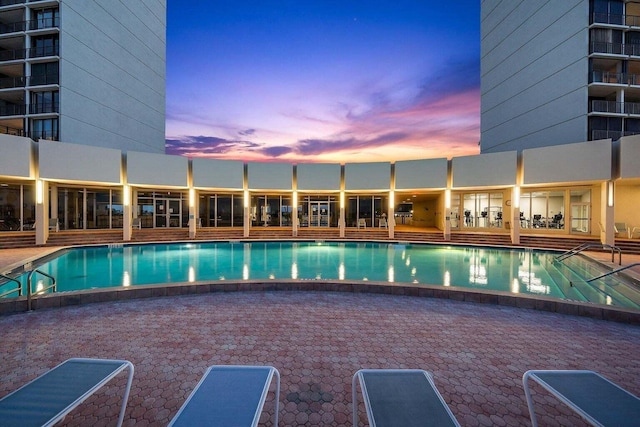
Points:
[[318, 176], [630, 157], [59, 160], [157, 169], [534, 71], [15, 160], [367, 176], [112, 74], [212, 173], [496, 169], [583, 162], [270, 176], [413, 174]]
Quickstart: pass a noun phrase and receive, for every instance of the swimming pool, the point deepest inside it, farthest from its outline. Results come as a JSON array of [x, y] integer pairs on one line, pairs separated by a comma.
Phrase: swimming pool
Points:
[[514, 271]]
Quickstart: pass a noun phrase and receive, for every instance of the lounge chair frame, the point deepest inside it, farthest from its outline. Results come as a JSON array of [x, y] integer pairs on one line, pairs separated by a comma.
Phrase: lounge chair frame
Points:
[[226, 410], [419, 394], [596, 399], [29, 406]]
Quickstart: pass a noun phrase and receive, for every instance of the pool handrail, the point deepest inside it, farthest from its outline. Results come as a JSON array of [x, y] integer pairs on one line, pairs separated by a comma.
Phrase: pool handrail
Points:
[[18, 289], [585, 246], [30, 292], [617, 270]]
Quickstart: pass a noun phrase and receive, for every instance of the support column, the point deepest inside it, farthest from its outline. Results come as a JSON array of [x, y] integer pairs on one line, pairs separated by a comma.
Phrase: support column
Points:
[[447, 214], [294, 214], [247, 216], [607, 219], [193, 209], [126, 214], [515, 215], [341, 220], [42, 212]]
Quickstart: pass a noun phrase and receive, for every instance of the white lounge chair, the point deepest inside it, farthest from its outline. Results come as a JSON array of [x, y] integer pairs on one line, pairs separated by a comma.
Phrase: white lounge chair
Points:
[[400, 397], [621, 228], [362, 223], [136, 223], [54, 225], [229, 396], [47, 399], [596, 399]]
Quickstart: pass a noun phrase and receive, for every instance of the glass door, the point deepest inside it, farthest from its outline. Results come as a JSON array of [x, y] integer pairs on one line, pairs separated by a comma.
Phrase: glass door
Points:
[[580, 218], [168, 213]]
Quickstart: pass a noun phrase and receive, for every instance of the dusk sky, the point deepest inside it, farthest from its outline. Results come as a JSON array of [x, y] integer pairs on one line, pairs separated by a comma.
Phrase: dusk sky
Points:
[[323, 80]]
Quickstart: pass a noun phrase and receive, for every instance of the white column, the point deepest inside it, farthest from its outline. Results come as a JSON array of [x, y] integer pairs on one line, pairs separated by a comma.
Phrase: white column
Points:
[[193, 220], [607, 219], [247, 216], [514, 214], [126, 213], [42, 212]]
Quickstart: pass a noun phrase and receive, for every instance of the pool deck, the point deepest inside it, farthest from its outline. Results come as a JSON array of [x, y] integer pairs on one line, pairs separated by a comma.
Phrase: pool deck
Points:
[[317, 340]]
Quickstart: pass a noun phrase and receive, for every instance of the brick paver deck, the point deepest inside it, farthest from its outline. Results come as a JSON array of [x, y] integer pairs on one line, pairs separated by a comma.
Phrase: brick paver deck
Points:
[[317, 340]]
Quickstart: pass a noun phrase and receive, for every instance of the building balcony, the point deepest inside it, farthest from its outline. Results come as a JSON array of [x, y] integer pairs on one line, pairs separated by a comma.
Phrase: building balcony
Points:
[[12, 55], [44, 108], [10, 2], [44, 23], [607, 18], [13, 110], [48, 135], [614, 107], [13, 27], [615, 48], [8, 130], [41, 52], [12, 82], [44, 79], [614, 78], [614, 135]]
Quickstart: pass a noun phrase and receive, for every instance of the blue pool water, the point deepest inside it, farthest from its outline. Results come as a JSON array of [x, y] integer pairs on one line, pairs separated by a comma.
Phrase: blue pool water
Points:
[[514, 271]]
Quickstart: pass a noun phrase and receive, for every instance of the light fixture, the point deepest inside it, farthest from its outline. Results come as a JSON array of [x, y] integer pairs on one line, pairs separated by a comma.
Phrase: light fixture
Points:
[[295, 200], [246, 198], [516, 197], [342, 200], [610, 194], [39, 191], [126, 195], [391, 199], [192, 197], [447, 199]]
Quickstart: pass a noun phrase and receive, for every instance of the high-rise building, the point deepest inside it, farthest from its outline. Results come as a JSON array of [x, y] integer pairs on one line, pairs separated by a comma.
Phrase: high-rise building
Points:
[[558, 72], [84, 71]]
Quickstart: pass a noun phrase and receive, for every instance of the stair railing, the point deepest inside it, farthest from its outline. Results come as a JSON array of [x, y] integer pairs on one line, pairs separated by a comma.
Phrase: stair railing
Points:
[[30, 292]]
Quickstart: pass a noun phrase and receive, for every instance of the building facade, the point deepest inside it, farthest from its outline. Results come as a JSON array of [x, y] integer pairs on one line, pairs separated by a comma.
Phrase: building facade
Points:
[[85, 71], [558, 72]]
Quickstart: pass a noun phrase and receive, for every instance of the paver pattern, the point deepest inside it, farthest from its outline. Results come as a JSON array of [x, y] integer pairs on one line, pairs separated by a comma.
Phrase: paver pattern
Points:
[[317, 340]]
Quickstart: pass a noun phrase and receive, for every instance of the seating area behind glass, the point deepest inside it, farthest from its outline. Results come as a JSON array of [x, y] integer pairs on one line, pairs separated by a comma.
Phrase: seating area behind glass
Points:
[[580, 189]]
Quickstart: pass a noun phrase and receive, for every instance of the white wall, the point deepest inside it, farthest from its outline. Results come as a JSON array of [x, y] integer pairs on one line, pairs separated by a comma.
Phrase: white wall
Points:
[[534, 70], [485, 170], [156, 169], [414, 174], [367, 176], [630, 157], [59, 160], [586, 161], [15, 159], [211, 173], [112, 73], [318, 176], [270, 176]]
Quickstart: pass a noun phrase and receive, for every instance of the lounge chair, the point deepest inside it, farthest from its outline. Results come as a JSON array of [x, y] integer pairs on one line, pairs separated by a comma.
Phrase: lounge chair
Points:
[[362, 223], [50, 397], [400, 397], [54, 225], [229, 396], [136, 223], [599, 401], [621, 228]]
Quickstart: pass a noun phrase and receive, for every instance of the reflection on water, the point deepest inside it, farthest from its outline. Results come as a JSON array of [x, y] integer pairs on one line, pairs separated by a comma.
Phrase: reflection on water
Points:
[[505, 270]]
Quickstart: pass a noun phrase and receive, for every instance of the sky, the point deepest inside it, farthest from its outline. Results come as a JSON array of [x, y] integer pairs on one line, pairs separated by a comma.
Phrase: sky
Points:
[[332, 81]]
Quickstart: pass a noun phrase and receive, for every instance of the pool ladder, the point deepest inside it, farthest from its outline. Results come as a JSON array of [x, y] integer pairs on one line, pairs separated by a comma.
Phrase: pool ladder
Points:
[[617, 270], [585, 246], [30, 292]]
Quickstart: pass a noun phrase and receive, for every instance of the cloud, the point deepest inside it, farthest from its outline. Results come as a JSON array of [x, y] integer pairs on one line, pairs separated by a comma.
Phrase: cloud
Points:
[[203, 146], [277, 151], [309, 147], [247, 132]]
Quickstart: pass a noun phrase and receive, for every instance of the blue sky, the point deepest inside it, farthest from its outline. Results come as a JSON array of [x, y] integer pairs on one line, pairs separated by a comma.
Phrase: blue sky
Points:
[[323, 81]]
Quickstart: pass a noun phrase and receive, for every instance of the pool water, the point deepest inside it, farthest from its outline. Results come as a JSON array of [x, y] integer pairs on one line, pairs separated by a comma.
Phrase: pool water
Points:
[[527, 272]]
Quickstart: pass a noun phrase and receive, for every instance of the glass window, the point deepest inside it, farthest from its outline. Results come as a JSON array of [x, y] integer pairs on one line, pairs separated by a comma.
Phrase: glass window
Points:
[[45, 129], [44, 73], [542, 210], [17, 207], [44, 102]]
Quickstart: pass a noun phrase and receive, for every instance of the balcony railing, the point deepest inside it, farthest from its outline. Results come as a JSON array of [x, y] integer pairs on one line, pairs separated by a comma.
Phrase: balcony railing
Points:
[[44, 134], [13, 27], [11, 82], [12, 55], [13, 110], [607, 18], [630, 49], [613, 134], [43, 108], [614, 78], [44, 79], [44, 23], [7, 130], [599, 106], [10, 2], [41, 51]]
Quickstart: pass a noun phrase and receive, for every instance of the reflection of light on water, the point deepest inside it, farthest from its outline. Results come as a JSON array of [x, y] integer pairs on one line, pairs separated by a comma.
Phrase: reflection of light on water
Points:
[[318, 276], [447, 278], [408, 261], [478, 274], [608, 300], [413, 272], [192, 274], [391, 274], [294, 271], [126, 279], [39, 286], [515, 286], [245, 272], [341, 271], [272, 276], [534, 284]]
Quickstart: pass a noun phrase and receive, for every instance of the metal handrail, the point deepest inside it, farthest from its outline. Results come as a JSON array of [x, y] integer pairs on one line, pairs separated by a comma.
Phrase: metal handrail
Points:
[[585, 246], [613, 272], [18, 289], [29, 291]]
